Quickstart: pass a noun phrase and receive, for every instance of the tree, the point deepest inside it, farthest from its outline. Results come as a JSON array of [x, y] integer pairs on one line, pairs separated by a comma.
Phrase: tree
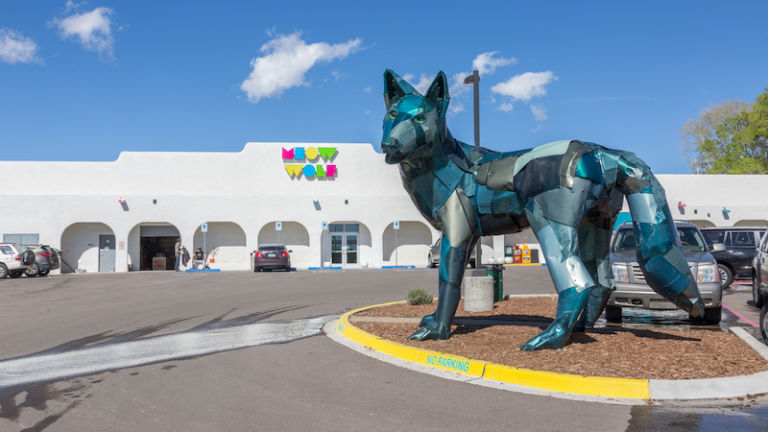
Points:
[[729, 138]]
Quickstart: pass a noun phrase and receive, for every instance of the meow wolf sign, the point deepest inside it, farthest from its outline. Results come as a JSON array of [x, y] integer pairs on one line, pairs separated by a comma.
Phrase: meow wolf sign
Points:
[[311, 162]]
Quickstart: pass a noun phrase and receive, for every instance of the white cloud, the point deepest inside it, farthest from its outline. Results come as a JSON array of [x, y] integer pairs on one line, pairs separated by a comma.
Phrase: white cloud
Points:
[[92, 29], [422, 85], [15, 48], [506, 107], [539, 112], [486, 64], [525, 86], [286, 60], [455, 108], [368, 89]]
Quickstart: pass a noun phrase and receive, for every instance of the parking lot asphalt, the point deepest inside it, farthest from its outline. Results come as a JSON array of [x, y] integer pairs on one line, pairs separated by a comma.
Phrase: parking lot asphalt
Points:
[[307, 383]]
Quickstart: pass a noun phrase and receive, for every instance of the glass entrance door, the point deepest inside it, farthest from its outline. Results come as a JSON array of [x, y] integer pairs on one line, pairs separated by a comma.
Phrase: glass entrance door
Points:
[[336, 255], [344, 244], [351, 246]]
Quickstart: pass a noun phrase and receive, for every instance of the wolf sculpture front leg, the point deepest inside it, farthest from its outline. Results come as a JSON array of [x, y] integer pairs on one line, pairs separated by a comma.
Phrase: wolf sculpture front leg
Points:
[[459, 227]]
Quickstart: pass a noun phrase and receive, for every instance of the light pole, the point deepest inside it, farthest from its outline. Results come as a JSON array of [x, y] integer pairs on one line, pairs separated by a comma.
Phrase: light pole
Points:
[[474, 79]]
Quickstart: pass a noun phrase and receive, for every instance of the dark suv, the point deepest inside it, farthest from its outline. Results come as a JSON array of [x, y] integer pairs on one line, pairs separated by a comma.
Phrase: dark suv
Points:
[[271, 257], [735, 262]]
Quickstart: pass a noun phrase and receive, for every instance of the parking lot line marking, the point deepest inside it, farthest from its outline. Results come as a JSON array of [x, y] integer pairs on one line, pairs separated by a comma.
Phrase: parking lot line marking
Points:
[[740, 316]]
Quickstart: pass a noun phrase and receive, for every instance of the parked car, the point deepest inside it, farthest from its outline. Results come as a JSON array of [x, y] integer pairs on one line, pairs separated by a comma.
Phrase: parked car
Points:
[[14, 260], [629, 279], [433, 257], [760, 273], [46, 259], [271, 257], [735, 262]]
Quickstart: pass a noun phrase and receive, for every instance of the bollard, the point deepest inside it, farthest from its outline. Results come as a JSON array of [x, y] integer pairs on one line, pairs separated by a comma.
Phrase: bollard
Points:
[[478, 293]]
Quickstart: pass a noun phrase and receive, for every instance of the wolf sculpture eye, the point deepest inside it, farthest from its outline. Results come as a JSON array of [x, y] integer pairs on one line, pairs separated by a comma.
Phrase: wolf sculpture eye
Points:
[[393, 114], [419, 119]]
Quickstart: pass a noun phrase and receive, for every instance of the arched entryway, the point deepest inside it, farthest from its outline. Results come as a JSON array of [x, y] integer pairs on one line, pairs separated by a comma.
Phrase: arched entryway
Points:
[[293, 235], [88, 247], [751, 223], [151, 246], [408, 245], [347, 244]]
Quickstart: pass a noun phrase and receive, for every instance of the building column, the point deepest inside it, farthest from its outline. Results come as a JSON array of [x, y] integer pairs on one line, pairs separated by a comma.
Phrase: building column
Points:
[[377, 245], [121, 251], [498, 248], [316, 245]]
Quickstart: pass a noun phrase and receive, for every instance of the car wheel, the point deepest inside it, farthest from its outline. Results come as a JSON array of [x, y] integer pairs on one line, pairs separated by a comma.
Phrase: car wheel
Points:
[[613, 314], [44, 273], [287, 268], [726, 277], [32, 270], [16, 274], [713, 315], [764, 321], [757, 298], [430, 263], [3, 271]]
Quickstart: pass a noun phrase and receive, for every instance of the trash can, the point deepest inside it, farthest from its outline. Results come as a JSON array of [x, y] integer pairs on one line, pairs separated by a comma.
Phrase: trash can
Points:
[[496, 272]]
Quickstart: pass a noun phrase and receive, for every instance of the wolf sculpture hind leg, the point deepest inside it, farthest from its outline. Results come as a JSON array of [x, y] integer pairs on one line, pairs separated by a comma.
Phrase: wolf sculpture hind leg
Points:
[[571, 277], [594, 249], [659, 252]]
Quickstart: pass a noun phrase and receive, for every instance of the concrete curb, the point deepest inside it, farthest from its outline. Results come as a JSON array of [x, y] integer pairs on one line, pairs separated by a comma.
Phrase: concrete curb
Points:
[[623, 391]]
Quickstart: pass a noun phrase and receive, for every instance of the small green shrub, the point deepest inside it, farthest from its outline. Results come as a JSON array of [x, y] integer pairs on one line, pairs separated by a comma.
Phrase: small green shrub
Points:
[[419, 296]]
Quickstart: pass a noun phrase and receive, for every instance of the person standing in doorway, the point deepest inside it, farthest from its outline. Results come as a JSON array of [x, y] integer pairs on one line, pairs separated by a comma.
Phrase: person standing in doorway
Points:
[[177, 251]]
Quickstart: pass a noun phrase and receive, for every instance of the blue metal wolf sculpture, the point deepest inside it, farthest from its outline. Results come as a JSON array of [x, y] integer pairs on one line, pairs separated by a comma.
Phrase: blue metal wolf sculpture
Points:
[[569, 192]]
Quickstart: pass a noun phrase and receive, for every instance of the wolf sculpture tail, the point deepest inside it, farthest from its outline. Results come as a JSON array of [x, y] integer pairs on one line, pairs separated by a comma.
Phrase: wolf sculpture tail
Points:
[[659, 252]]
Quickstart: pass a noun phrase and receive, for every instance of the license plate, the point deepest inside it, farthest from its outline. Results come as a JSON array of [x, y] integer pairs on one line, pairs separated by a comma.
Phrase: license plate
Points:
[[271, 255]]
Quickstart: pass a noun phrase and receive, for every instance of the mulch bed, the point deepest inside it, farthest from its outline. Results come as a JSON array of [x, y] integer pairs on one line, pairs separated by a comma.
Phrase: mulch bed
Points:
[[615, 351]]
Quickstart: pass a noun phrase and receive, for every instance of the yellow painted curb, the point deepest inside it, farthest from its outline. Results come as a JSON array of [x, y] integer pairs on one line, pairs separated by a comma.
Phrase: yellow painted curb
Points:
[[619, 388]]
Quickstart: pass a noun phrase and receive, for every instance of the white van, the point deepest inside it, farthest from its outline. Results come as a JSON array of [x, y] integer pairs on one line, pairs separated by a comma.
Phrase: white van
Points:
[[229, 258]]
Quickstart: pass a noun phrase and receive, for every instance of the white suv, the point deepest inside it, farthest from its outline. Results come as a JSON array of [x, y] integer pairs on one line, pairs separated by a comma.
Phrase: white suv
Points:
[[14, 259]]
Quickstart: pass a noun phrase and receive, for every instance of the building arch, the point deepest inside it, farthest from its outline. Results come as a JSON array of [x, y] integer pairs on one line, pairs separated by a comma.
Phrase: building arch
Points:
[[293, 235], [413, 242], [151, 246], [702, 223], [751, 222], [81, 248], [219, 234], [341, 238]]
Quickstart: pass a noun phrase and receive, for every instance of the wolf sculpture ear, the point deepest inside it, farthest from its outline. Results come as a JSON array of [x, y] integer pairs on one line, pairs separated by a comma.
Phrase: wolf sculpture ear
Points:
[[438, 93], [395, 87]]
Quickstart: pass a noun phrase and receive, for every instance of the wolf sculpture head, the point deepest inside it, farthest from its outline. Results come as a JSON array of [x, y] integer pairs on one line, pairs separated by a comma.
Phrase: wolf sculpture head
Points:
[[414, 124]]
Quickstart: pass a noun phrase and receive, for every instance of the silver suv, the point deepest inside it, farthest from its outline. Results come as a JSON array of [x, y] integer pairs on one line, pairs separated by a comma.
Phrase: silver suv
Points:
[[433, 257], [629, 279], [760, 285], [14, 260]]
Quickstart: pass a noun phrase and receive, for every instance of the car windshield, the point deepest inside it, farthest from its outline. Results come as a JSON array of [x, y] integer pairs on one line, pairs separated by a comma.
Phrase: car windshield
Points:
[[714, 236], [690, 239]]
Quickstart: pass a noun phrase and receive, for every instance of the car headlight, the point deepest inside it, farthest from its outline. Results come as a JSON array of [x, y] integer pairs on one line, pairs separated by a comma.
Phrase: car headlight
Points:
[[707, 273], [620, 273]]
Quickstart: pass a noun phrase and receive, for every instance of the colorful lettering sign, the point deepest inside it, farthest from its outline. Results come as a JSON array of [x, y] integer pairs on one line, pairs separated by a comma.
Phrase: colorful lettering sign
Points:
[[303, 161]]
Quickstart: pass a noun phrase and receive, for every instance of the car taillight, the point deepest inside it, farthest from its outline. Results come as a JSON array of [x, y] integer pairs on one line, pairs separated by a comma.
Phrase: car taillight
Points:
[[285, 253], [17, 258], [45, 254], [257, 255]]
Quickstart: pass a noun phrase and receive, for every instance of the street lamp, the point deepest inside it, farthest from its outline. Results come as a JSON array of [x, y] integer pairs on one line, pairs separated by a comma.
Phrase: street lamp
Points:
[[474, 79]]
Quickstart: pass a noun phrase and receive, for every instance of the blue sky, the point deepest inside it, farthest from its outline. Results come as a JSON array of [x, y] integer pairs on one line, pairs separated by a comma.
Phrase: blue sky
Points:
[[87, 80]]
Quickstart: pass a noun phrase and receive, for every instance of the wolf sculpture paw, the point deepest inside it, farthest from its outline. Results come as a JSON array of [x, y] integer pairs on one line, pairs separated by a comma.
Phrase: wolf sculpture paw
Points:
[[553, 337], [427, 321], [435, 331]]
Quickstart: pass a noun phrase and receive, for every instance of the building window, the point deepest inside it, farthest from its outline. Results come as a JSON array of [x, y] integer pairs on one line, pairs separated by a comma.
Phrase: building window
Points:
[[25, 239]]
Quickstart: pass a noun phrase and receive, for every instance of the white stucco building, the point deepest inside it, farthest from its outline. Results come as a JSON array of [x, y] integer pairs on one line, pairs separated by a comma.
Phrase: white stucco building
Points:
[[118, 215]]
